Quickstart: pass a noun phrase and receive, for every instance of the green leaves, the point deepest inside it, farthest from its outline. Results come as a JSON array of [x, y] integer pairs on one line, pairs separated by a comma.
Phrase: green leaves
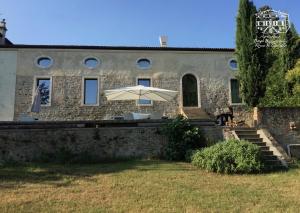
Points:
[[181, 138], [249, 57], [232, 156]]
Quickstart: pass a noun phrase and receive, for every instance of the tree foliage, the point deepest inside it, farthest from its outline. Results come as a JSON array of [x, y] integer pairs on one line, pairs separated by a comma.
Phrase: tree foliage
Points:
[[182, 136], [278, 90], [250, 60], [263, 67]]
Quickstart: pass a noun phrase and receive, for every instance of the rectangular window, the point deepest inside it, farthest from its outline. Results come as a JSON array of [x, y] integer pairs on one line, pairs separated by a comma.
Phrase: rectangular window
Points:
[[44, 86], [147, 83], [235, 91], [90, 91]]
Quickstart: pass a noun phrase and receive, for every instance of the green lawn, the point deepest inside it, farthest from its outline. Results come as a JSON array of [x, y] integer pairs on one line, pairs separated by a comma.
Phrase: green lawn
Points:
[[143, 186]]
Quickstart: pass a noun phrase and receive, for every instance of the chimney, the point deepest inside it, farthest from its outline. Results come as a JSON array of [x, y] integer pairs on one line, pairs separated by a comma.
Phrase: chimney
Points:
[[3, 30], [163, 40]]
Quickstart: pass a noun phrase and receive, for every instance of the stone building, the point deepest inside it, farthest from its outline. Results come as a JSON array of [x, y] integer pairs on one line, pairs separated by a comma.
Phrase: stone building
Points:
[[73, 79]]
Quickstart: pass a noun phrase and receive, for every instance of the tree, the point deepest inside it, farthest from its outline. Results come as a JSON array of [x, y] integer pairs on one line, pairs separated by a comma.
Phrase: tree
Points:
[[293, 80], [44, 91], [279, 90], [252, 69]]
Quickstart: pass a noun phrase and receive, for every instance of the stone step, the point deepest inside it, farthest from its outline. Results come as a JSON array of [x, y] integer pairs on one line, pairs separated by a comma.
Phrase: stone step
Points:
[[250, 134], [253, 139], [244, 128], [273, 162], [266, 152], [264, 148], [244, 136], [246, 132], [269, 157], [263, 144]]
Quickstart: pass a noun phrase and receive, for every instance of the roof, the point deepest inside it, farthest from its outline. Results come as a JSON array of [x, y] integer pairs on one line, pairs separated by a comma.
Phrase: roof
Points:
[[8, 42], [25, 46]]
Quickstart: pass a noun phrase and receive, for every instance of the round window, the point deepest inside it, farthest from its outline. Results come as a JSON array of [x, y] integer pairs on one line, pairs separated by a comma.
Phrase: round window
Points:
[[144, 63], [91, 63], [44, 62], [233, 64]]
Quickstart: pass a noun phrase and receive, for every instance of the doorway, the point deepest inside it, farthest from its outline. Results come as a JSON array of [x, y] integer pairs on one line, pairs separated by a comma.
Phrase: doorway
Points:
[[189, 91]]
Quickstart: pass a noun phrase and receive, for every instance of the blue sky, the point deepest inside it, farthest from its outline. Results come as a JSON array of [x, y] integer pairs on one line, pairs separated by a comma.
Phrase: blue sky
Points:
[[188, 23]]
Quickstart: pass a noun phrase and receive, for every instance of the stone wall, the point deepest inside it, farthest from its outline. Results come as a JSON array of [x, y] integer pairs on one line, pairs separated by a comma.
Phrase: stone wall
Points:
[[277, 121], [243, 113], [99, 144], [105, 143]]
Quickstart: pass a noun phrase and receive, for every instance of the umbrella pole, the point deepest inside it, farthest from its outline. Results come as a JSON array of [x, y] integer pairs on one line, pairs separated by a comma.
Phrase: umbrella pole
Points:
[[139, 107]]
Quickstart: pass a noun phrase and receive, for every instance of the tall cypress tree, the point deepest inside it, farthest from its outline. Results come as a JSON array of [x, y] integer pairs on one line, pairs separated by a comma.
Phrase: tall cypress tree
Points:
[[251, 74]]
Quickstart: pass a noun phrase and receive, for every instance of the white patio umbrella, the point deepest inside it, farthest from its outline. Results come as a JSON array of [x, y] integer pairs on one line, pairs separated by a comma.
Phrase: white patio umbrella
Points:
[[140, 93]]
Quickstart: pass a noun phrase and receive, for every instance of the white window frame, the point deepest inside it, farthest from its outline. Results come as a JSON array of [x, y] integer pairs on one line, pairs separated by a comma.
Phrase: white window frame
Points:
[[230, 96], [36, 78], [137, 81], [83, 91]]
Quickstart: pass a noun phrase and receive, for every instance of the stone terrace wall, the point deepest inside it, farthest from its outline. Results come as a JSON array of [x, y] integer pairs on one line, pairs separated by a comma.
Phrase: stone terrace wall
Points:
[[100, 144], [105, 143], [277, 120]]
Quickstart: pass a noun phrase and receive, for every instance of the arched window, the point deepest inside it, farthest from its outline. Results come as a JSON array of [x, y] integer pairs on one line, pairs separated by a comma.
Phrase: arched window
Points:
[[189, 91]]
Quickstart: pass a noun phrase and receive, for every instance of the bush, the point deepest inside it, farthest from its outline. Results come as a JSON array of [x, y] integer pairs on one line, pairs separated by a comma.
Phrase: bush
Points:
[[232, 156], [182, 136]]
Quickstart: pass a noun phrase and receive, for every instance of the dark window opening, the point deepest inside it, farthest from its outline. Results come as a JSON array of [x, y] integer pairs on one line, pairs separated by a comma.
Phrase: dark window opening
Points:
[[235, 91]]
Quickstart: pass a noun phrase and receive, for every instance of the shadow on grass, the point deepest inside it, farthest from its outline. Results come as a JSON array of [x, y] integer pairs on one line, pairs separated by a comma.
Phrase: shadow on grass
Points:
[[64, 174]]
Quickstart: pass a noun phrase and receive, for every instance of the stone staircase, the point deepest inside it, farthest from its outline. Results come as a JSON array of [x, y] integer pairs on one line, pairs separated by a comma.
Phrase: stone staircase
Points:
[[250, 134], [195, 113]]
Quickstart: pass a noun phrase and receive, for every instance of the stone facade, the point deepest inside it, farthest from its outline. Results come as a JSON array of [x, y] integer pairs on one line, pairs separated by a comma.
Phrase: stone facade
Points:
[[117, 69]]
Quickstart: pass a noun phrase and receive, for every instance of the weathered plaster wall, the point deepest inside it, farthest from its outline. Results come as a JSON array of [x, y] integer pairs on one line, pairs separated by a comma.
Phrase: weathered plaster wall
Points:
[[8, 64], [118, 69]]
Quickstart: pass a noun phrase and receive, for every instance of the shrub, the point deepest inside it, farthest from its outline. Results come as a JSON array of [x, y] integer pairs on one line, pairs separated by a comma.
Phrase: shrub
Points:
[[182, 136], [232, 156]]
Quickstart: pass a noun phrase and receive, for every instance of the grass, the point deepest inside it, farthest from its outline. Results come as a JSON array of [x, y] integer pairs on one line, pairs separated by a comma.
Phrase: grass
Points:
[[143, 186]]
